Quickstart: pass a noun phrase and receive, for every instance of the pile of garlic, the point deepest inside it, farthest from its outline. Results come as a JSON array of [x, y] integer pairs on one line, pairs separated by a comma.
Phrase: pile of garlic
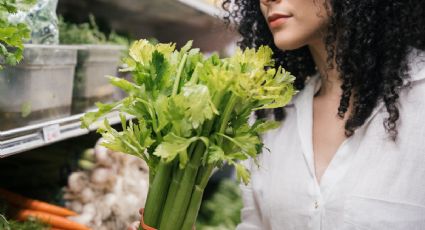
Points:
[[109, 194]]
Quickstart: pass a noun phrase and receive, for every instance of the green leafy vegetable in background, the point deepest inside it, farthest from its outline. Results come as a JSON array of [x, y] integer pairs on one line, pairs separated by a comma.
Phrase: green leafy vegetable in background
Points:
[[4, 224], [222, 211], [87, 33], [26, 225], [84, 33], [12, 36], [12, 6], [191, 116]]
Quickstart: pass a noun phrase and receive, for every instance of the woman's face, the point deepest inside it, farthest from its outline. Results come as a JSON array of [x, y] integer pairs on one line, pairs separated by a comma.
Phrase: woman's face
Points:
[[295, 23]]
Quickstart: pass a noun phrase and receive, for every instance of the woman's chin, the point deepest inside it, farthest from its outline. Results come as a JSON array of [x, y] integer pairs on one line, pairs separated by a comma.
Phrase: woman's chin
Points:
[[288, 44]]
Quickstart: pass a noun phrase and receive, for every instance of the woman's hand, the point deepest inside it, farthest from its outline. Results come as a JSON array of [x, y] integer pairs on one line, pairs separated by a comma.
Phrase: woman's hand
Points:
[[135, 225]]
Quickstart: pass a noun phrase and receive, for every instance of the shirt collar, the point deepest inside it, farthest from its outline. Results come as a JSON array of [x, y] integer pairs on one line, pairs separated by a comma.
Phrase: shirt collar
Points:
[[312, 86]]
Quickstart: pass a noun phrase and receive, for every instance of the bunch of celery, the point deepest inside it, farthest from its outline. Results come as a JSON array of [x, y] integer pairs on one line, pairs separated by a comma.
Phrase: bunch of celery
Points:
[[191, 116]]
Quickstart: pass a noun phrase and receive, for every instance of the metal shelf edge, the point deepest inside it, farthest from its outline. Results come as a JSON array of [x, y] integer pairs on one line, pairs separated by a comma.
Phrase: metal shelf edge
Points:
[[68, 128]]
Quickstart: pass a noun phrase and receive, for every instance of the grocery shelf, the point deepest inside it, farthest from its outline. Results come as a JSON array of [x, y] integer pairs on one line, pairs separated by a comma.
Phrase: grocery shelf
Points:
[[166, 20], [204, 7], [176, 21], [145, 13], [33, 136]]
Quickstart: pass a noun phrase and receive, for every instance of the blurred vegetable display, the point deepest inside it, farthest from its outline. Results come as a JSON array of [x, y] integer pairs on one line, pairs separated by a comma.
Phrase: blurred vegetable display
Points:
[[42, 20], [32, 224], [222, 211], [27, 203], [12, 36], [88, 33], [25, 209], [109, 190], [99, 54], [191, 116]]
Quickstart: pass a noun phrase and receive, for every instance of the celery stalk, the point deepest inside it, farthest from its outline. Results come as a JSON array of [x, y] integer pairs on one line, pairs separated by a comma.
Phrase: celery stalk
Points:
[[192, 211], [157, 195]]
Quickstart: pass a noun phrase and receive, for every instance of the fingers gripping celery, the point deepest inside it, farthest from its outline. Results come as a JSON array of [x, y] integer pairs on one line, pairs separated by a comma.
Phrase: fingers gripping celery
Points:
[[191, 115]]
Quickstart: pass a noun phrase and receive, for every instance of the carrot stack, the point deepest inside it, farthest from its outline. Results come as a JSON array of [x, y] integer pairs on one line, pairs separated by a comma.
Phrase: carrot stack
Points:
[[50, 219], [52, 215]]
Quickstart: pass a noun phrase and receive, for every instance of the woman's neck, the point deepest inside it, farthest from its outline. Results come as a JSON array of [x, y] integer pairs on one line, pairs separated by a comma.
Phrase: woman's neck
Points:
[[331, 84]]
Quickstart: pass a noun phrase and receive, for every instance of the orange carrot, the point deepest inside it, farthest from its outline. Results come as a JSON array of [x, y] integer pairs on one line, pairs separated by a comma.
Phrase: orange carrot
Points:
[[50, 219], [37, 205]]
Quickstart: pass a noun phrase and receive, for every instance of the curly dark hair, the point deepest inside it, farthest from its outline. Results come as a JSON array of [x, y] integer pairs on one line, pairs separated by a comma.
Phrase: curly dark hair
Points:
[[369, 39]]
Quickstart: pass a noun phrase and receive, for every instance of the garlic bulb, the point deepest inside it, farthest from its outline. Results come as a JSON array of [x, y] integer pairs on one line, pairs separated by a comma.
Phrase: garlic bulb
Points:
[[110, 195], [77, 181], [87, 195], [101, 154], [101, 175]]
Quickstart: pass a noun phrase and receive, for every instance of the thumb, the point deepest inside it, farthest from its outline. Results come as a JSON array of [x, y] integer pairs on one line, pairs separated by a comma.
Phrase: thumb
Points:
[[134, 226]]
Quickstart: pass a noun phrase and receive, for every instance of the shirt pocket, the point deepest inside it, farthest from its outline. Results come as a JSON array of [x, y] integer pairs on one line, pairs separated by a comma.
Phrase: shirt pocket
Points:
[[377, 214]]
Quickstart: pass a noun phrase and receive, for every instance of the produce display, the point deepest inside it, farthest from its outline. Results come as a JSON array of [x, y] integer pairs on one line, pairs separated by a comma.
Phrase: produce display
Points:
[[109, 190], [41, 19], [23, 209], [30, 204], [12, 36], [87, 33], [191, 115], [98, 54], [222, 211]]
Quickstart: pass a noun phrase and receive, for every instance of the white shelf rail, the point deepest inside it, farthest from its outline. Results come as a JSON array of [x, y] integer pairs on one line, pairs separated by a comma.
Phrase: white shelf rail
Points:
[[33, 136]]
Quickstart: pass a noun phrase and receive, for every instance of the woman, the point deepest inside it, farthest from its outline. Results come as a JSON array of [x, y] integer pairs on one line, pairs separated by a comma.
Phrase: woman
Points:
[[350, 152]]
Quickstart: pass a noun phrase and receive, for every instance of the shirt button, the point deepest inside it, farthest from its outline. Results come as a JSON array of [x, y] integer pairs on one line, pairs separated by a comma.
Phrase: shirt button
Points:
[[316, 204]]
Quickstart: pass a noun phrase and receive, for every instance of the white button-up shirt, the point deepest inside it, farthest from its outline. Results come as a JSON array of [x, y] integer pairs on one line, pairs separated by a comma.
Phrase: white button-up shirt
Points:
[[371, 183]]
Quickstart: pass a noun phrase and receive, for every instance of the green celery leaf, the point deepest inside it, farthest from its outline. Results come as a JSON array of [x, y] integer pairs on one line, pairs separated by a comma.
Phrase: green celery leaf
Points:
[[172, 146], [263, 126], [237, 156], [125, 85], [159, 72], [215, 155], [133, 140], [242, 173], [161, 111], [247, 143], [141, 51], [197, 102], [92, 117], [186, 47]]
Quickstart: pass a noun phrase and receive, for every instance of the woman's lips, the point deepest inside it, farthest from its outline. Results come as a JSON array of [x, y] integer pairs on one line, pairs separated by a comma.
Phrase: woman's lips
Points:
[[276, 20]]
